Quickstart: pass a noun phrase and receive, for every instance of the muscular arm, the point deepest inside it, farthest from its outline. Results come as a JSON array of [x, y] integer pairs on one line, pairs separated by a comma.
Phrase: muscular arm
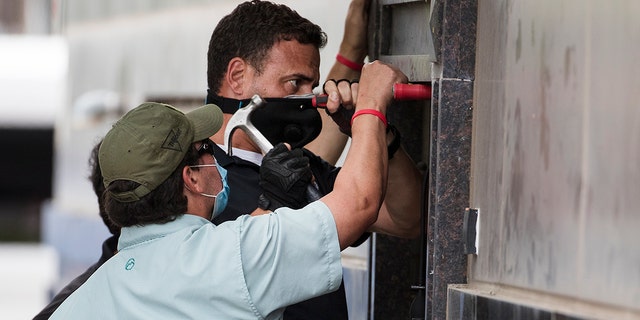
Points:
[[330, 144], [400, 213], [360, 186]]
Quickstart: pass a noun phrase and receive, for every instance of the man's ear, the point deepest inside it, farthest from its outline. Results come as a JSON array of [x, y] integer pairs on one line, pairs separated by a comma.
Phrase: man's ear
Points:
[[236, 74], [190, 178]]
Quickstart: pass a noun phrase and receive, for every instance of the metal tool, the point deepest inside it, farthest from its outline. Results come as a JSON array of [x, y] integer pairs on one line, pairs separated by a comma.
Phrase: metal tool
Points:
[[401, 92], [241, 119]]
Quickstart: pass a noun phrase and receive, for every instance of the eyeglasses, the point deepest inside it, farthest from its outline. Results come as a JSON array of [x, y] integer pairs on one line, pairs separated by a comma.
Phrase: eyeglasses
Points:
[[206, 147]]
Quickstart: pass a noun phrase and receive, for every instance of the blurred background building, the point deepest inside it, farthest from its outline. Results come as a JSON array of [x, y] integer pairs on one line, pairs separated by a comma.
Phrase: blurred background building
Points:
[[33, 78]]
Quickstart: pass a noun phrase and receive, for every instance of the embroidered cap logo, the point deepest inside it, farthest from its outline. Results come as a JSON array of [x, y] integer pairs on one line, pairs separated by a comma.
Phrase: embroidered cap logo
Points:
[[171, 142]]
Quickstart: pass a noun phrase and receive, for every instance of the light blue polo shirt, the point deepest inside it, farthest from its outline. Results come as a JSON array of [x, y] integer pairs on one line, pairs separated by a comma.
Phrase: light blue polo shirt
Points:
[[250, 268]]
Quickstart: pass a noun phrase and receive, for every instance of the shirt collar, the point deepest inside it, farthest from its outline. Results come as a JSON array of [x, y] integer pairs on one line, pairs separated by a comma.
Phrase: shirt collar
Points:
[[224, 159], [134, 235]]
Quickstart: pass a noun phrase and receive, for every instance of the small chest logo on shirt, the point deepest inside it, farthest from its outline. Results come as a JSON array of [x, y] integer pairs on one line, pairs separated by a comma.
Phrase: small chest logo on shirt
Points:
[[130, 263]]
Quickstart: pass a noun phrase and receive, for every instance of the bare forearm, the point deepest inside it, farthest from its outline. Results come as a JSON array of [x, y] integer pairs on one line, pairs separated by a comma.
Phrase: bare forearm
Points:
[[400, 213], [330, 143], [359, 188]]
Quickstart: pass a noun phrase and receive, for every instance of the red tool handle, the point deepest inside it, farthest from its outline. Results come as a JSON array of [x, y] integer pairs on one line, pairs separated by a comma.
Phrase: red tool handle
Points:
[[408, 91], [401, 92]]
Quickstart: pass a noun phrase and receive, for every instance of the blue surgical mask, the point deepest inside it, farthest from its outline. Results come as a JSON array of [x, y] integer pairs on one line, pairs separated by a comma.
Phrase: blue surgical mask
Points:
[[223, 196]]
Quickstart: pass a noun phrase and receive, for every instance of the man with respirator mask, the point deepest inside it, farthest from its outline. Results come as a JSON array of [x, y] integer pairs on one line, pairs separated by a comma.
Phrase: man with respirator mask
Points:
[[270, 50]]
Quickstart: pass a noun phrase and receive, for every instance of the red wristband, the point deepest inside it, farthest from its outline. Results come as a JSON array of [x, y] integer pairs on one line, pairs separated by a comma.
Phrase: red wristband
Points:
[[372, 112], [348, 63]]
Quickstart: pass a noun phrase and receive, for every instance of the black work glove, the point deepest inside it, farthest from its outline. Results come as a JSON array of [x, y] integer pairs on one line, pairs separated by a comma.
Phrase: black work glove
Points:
[[284, 177]]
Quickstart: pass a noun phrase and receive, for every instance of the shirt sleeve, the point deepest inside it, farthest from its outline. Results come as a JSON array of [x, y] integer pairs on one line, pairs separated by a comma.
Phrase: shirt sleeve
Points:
[[290, 256]]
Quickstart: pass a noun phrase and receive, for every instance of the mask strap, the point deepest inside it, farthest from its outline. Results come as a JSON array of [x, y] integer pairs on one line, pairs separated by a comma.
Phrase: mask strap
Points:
[[200, 193], [227, 105]]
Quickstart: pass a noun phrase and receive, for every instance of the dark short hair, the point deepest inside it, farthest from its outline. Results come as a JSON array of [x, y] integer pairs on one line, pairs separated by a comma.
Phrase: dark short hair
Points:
[[250, 31], [95, 177], [163, 204]]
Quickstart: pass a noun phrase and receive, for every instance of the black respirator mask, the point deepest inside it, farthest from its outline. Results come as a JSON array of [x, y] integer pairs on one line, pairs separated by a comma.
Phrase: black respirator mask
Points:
[[279, 119]]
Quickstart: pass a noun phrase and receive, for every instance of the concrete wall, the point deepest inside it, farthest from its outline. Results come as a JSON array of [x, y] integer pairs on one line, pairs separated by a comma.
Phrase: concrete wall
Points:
[[556, 149]]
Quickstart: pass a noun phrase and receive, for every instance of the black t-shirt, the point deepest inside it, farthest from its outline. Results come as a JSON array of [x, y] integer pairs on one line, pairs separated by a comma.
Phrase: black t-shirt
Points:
[[243, 177]]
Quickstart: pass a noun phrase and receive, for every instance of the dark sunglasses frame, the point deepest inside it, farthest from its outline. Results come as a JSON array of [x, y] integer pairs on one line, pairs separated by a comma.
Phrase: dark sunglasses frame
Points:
[[206, 147]]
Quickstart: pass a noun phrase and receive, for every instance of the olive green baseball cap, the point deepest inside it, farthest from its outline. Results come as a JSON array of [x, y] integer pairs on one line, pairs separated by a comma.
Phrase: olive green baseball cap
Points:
[[148, 143]]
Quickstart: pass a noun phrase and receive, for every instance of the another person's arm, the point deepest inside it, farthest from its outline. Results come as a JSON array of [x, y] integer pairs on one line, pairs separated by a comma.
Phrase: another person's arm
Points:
[[400, 213], [330, 144]]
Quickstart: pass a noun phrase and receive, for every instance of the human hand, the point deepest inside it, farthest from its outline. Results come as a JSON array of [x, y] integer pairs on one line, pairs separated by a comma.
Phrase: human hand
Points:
[[284, 177], [375, 89], [342, 95]]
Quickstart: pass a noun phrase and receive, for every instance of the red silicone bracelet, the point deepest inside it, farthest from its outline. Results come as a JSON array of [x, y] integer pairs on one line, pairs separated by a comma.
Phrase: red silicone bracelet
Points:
[[372, 112], [348, 63]]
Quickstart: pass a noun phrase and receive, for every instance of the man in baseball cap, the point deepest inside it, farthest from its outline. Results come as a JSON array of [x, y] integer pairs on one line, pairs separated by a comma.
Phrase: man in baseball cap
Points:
[[163, 186], [149, 143]]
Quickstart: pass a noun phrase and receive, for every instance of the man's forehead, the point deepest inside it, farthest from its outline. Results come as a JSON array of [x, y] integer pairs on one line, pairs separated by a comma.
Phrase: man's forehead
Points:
[[294, 57]]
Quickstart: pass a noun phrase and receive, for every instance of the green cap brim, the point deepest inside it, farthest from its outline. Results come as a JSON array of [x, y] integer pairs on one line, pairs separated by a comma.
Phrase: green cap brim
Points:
[[206, 120]]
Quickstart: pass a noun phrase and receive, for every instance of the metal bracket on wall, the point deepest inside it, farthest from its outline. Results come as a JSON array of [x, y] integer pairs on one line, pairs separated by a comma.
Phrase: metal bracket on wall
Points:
[[401, 36], [471, 230]]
